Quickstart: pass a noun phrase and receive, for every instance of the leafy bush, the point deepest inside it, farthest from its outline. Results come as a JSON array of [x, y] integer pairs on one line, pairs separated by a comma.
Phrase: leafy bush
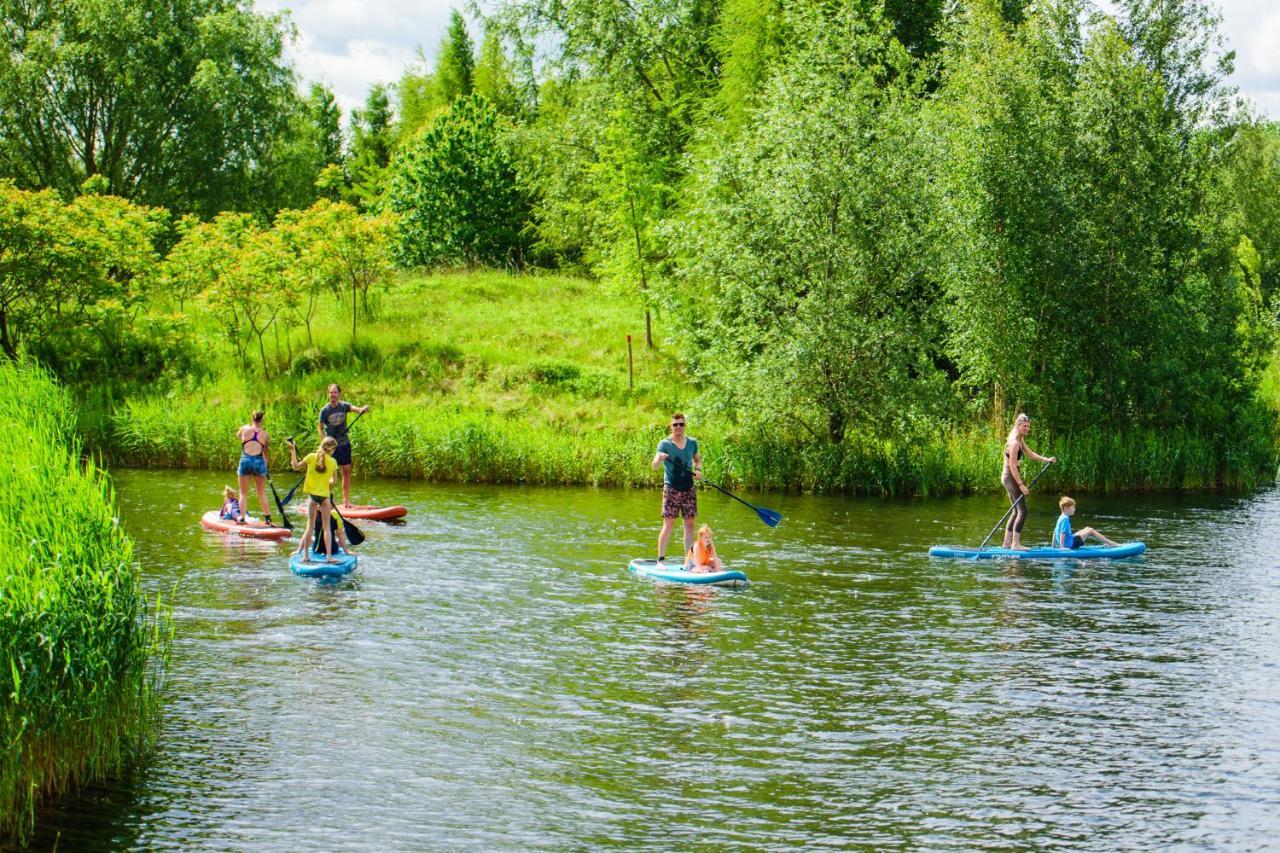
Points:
[[454, 189]]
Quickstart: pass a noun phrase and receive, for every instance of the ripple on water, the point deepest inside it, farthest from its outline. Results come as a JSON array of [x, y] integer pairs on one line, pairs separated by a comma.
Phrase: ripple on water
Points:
[[492, 678]]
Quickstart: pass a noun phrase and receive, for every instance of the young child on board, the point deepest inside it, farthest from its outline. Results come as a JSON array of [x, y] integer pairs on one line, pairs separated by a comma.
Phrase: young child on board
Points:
[[1062, 535], [230, 505], [702, 557]]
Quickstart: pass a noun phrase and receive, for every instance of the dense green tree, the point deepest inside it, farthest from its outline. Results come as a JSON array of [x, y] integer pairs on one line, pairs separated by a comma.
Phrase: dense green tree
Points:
[[372, 141], [455, 66], [1251, 184], [748, 40], [174, 102], [454, 190], [916, 24], [418, 99], [325, 117], [805, 272], [494, 78], [292, 165], [1089, 277]]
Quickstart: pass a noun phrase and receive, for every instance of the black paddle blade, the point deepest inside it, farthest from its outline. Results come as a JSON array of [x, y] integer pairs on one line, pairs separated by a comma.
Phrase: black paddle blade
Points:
[[768, 516], [354, 534]]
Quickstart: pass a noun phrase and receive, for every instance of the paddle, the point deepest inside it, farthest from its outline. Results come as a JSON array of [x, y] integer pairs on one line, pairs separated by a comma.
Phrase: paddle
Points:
[[768, 516], [284, 518], [1012, 507], [289, 440], [354, 534]]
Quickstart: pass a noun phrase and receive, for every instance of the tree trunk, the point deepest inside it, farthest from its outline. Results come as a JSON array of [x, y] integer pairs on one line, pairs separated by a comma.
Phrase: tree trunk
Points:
[[6, 343], [262, 351]]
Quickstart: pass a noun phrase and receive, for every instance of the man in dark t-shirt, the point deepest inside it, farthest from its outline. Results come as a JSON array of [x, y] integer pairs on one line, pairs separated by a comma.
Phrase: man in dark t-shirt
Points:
[[333, 422]]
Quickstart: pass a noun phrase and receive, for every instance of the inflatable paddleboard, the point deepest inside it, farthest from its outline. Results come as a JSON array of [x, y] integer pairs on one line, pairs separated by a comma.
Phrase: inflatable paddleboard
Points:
[[361, 511], [675, 573], [1088, 552], [316, 567], [213, 520]]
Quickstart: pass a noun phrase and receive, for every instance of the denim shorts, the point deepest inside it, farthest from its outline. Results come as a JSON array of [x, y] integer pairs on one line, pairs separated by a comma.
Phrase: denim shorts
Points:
[[252, 465]]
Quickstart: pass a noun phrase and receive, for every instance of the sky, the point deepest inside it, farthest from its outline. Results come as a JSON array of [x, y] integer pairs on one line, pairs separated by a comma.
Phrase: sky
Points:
[[351, 44]]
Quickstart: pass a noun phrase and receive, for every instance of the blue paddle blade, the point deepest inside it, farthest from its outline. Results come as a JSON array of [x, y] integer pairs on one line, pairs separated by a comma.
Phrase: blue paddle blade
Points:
[[768, 516]]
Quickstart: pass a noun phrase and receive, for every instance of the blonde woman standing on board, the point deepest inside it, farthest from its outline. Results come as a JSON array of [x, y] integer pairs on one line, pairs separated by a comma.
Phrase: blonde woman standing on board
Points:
[[1015, 447]]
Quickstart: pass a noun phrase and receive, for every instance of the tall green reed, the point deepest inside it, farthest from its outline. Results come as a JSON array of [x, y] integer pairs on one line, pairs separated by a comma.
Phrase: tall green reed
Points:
[[455, 443], [84, 653]]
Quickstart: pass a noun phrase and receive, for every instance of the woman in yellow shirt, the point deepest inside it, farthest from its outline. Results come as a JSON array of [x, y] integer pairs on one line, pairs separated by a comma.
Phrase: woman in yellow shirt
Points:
[[318, 484]]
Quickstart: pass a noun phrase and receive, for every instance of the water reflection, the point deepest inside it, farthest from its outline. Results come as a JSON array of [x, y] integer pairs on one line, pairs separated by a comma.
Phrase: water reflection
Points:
[[492, 677]]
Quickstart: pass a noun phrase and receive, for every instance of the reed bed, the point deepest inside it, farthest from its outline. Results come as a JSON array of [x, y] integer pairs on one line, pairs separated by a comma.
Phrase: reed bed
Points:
[[425, 439], [84, 652]]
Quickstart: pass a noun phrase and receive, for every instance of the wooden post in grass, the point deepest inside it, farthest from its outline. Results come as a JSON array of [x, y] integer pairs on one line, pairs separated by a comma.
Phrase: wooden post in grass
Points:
[[631, 368]]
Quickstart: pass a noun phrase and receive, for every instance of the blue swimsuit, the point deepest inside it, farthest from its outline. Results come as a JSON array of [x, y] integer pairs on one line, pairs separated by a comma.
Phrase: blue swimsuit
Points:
[[251, 465]]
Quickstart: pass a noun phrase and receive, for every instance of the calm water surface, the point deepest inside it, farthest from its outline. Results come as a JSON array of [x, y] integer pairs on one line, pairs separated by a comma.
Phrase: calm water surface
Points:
[[491, 677]]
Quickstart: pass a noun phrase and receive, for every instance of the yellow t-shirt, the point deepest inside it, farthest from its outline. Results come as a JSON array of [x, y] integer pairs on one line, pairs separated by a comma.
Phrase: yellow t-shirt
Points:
[[319, 483]]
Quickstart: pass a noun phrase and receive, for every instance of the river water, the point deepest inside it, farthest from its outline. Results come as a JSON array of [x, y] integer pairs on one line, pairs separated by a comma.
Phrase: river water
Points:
[[492, 678]]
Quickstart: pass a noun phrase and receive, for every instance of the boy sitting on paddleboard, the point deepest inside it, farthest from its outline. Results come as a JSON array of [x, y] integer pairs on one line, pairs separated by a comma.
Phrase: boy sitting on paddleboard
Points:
[[1062, 535], [702, 557]]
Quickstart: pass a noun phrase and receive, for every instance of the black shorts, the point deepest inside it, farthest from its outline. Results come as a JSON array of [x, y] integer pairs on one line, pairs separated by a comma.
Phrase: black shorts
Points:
[[317, 500], [1076, 541], [342, 454]]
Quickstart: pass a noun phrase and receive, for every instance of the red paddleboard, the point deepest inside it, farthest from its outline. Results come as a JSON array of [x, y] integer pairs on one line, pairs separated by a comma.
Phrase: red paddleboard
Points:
[[360, 511], [213, 520]]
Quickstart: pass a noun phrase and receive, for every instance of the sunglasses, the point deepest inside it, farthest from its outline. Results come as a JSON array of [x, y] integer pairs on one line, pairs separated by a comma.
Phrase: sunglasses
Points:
[[678, 424]]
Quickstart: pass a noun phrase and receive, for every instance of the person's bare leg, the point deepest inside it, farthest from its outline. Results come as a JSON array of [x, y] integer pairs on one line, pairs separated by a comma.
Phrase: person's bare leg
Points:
[[327, 511], [244, 495], [346, 486], [1017, 545], [305, 545], [664, 537], [1090, 533], [1008, 534], [262, 494], [690, 532]]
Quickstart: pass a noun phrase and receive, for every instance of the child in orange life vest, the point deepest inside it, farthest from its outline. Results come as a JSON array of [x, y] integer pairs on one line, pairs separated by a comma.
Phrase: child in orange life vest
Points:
[[702, 557]]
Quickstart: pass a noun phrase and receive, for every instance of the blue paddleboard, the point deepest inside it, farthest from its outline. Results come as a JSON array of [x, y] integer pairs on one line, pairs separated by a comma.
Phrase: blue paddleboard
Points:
[[316, 567], [1088, 552], [675, 573]]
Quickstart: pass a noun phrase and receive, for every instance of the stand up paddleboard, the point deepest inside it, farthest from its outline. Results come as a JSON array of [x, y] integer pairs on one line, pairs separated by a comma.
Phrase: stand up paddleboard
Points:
[[316, 567], [675, 573], [1089, 552], [371, 513], [253, 528]]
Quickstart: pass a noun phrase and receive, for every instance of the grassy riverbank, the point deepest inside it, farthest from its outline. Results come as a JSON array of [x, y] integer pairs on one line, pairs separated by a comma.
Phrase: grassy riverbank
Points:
[[486, 377], [82, 654]]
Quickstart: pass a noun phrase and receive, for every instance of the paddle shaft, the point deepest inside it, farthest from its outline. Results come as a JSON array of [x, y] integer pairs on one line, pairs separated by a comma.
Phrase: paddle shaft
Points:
[[284, 519], [1013, 506], [759, 510], [289, 496]]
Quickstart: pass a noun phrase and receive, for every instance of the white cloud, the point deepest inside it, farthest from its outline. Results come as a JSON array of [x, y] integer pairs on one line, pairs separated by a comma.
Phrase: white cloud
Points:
[[1264, 47], [350, 45]]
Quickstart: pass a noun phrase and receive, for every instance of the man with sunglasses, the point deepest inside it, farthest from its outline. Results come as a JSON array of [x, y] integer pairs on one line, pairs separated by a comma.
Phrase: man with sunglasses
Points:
[[682, 463]]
